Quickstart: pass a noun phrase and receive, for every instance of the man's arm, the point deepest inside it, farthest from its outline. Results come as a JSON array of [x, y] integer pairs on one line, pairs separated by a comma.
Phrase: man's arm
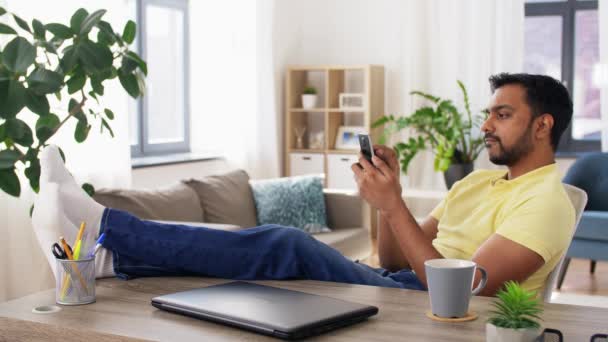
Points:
[[389, 252], [504, 259]]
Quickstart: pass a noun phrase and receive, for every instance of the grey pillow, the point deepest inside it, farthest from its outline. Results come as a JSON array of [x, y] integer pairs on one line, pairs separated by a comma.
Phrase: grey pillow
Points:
[[174, 203], [226, 198]]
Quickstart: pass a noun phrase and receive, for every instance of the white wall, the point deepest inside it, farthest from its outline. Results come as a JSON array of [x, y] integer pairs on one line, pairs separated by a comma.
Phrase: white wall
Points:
[[394, 33], [160, 176]]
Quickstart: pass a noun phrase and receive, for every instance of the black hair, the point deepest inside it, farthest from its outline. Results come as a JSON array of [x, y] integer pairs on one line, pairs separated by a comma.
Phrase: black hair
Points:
[[544, 95]]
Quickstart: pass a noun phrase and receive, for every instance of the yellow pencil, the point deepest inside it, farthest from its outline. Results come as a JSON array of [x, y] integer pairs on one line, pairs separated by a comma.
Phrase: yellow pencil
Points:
[[78, 243]]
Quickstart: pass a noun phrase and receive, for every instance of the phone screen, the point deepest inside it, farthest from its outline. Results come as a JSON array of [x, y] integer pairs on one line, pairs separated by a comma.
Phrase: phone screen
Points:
[[366, 146]]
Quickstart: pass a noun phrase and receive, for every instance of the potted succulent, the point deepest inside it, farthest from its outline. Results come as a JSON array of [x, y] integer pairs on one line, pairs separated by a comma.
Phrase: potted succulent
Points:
[[451, 135], [515, 318], [309, 97]]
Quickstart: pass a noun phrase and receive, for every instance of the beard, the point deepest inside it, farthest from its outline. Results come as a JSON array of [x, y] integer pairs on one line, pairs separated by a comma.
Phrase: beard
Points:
[[511, 155]]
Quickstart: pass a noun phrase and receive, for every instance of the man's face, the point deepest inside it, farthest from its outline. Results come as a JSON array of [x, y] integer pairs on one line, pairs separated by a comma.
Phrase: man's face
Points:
[[508, 128]]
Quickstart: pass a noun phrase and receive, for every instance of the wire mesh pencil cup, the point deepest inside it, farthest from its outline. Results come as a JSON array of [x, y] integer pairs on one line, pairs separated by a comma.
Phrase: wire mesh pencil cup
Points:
[[75, 281]]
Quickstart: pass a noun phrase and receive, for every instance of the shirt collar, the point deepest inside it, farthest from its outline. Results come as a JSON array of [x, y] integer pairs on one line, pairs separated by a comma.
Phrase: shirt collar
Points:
[[540, 172]]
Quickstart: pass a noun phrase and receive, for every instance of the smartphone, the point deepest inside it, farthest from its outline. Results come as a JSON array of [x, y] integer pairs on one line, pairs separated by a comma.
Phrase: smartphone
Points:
[[366, 147]]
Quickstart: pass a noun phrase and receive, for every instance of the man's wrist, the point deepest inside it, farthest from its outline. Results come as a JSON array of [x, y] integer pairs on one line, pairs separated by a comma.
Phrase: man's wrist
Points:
[[395, 212]]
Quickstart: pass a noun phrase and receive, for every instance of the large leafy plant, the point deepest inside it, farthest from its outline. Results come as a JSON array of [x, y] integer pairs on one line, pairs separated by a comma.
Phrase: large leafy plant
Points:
[[47, 60], [516, 308], [452, 137]]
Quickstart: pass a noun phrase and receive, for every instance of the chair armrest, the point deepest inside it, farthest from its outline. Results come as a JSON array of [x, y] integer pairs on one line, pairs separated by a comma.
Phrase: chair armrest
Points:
[[593, 226], [344, 209]]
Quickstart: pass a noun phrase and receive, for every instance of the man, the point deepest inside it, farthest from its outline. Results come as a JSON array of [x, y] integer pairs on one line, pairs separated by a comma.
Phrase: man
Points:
[[516, 224]]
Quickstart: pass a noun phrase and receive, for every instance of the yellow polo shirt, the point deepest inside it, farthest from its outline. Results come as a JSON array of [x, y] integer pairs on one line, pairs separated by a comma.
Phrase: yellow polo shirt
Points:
[[533, 210]]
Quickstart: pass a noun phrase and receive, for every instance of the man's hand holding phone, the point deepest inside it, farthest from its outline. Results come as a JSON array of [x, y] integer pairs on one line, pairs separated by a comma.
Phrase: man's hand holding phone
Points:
[[377, 175]]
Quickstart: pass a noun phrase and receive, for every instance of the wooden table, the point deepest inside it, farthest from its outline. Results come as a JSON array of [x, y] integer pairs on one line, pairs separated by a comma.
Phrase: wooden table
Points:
[[123, 313]]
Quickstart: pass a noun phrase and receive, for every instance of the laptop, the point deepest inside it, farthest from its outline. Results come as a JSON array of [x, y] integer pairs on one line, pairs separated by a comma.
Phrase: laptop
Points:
[[268, 310]]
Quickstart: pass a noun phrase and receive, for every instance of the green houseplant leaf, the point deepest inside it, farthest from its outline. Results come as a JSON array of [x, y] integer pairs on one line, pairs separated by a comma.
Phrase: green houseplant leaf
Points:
[[9, 182], [128, 34], [39, 30], [12, 97], [8, 158], [44, 81], [5, 29], [95, 57], [18, 55], [19, 132], [38, 104], [90, 21], [60, 30], [77, 19], [129, 83], [22, 23], [46, 125]]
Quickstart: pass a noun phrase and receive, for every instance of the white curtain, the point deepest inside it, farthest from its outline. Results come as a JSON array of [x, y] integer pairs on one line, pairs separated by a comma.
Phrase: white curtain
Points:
[[232, 83], [603, 23], [466, 40], [100, 160]]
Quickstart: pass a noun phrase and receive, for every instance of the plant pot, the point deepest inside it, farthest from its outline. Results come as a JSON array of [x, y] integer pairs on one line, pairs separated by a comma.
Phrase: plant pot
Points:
[[456, 172], [497, 334], [309, 101]]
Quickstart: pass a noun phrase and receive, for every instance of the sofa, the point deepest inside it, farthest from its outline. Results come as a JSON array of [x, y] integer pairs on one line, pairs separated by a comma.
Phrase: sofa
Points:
[[226, 202]]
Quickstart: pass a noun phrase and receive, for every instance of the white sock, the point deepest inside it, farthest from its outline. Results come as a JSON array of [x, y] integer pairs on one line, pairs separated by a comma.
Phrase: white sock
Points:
[[61, 206]]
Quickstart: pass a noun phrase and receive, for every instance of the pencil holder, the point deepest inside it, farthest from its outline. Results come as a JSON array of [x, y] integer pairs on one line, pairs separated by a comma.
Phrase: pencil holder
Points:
[[75, 281]]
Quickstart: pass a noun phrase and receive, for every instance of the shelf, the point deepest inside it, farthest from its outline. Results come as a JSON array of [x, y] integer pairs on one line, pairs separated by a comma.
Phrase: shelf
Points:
[[302, 110], [305, 150], [342, 151], [344, 110]]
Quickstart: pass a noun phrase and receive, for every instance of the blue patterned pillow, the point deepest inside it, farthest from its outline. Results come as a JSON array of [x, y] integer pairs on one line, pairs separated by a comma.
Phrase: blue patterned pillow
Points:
[[294, 202]]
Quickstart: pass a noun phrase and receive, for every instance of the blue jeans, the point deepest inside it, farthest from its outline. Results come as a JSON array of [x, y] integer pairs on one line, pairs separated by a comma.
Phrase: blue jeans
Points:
[[269, 252]]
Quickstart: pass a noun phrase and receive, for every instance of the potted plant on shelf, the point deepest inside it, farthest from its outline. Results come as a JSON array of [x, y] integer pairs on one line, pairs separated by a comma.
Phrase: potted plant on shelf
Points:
[[309, 97], [515, 318], [70, 62], [452, 136]]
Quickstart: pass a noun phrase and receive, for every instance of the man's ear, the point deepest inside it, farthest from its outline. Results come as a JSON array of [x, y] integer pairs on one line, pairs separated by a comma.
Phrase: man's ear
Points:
[[545, 124]]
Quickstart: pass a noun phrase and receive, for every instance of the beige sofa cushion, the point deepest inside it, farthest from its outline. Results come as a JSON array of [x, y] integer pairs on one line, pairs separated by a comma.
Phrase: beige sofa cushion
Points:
[[226, 198], [174, 203]]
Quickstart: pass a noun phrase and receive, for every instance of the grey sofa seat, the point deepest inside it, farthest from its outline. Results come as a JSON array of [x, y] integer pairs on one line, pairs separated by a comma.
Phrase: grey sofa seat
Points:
[[181, 204]]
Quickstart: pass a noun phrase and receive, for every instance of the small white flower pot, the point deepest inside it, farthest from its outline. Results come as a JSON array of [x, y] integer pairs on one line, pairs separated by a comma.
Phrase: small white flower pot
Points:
[[497, 334], [309, 101]]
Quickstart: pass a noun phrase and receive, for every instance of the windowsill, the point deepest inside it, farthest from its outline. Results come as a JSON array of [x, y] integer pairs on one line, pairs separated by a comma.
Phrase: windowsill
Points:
[[570, 154], [173, 158]]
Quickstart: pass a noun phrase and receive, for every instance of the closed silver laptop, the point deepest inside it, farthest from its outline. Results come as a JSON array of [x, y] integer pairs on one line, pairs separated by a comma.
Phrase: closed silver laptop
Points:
[[264, 309]]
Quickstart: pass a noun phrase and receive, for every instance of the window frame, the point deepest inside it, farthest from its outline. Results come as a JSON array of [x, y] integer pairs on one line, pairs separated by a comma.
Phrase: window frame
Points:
[[567, 10], [143, 147]]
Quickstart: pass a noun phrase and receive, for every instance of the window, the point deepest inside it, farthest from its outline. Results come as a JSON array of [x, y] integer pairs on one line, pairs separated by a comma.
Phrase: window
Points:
[[561, 40], [161, 125]]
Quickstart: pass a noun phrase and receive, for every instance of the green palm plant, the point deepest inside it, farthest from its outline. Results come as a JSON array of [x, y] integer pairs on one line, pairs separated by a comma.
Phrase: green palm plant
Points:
[[440, 126], [516, 308]]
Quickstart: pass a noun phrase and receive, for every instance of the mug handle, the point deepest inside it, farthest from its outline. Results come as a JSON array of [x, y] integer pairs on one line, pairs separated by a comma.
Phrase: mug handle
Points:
[[482, 283]]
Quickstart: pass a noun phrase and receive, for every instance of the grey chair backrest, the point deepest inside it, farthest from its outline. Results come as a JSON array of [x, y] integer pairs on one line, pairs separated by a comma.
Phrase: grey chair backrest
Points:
[[590, 173], [578, 198]]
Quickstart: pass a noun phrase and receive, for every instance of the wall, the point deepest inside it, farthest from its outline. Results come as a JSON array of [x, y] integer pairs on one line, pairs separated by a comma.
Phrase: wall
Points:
[[159, 176], [393, 33]]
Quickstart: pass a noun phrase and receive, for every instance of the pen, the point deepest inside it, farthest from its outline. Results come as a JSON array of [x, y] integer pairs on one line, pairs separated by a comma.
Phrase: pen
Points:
[[97, 245]]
